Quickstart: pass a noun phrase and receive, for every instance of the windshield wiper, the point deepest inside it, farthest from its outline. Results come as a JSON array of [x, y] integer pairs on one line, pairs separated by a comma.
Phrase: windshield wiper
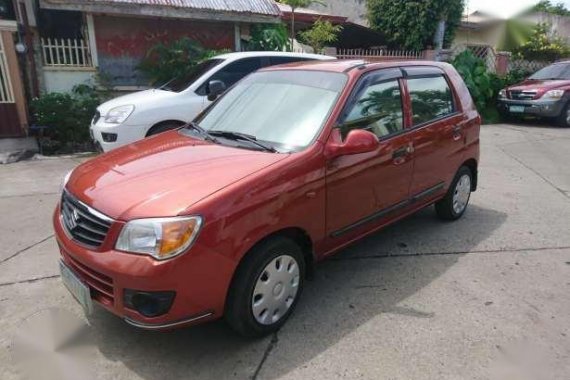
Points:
[[201, 131], [243, 136]]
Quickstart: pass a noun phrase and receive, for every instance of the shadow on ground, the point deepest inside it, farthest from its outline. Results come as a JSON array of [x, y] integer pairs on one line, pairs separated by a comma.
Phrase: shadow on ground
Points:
[[355, 286]]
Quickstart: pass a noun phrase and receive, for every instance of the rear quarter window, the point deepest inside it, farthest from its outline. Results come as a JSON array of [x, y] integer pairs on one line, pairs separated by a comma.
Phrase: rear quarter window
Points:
[[431, 99]]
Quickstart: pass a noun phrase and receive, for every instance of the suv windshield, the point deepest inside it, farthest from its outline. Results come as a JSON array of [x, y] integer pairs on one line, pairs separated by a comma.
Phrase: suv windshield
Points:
[[285, 109], [553, 72], [182, 83]]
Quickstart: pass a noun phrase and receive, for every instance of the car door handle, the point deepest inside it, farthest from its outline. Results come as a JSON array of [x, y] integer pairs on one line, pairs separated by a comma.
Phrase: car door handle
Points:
[[403, 151], [457, 132]]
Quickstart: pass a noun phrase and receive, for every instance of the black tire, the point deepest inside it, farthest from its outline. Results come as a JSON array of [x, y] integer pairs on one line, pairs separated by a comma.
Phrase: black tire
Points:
[[564, 119], [162, 128], [445, 208], [239, 313]]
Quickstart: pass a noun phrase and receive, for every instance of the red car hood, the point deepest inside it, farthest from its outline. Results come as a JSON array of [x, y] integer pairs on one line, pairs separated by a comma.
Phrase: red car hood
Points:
[[539, 85], [162, 176]]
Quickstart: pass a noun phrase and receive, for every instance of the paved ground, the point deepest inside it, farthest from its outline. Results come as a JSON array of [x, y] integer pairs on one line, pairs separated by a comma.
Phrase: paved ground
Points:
[[420, 300]]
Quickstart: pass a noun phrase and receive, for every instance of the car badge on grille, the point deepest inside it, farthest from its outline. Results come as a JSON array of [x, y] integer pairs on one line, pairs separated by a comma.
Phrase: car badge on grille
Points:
[[74, 218]]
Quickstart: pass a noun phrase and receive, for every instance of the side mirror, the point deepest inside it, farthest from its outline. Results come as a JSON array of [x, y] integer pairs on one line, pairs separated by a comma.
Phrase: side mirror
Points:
[[358, 141], [215, 89]]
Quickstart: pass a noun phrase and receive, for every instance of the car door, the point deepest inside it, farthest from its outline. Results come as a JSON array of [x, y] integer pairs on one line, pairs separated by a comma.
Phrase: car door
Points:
[[365, 189], [437, 136]]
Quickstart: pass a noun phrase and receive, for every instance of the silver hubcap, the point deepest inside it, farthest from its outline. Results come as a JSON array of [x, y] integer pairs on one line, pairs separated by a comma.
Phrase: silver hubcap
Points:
[[461, 194], [275, 290]]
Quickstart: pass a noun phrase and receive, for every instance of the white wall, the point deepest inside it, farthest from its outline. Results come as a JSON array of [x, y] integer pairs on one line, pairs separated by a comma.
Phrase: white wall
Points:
[[64, 79]]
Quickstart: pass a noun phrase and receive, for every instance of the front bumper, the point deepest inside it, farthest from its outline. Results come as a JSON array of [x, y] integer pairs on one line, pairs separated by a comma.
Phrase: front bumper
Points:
[[200, 279], [125, 134], [539, 108]]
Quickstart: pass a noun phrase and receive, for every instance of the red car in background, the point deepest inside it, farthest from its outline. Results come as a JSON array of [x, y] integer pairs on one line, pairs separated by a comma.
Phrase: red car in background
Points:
[[227, 215], [545, 94]]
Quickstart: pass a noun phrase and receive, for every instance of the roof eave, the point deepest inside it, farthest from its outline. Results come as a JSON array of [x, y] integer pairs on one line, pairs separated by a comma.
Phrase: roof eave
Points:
[[161, 11]]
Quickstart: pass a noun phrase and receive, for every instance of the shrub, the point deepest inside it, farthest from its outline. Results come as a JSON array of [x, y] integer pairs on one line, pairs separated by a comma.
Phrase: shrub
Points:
[[67, 117], [269, 37], [477, 78], [542, 46], [164, 62]]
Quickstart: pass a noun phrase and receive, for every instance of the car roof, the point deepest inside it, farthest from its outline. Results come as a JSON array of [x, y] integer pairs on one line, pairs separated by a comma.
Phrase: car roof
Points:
[[341, 66], [251, 54]]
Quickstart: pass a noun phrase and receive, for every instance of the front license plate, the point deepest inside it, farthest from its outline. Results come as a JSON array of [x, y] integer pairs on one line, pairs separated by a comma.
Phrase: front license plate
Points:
[[76, 287], [517, 109]]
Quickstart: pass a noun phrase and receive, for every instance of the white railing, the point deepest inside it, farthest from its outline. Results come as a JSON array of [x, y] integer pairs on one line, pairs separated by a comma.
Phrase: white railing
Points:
[[66, 52], [6, 90], [379, 54]]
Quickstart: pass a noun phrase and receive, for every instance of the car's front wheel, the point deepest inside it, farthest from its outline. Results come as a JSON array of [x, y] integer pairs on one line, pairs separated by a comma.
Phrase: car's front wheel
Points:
[[455, 202], [266, 287], [564, 118]]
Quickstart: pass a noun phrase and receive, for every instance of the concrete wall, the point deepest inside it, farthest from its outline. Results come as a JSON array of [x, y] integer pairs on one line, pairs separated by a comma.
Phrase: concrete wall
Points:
[[122, 42], [64, 79], [490, 36], [355, 10], [560, 25]]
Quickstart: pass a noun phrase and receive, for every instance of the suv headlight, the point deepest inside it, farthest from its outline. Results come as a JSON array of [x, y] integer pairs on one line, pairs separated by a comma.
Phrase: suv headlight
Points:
[[503, 94], [119, 115], [554, 94], [65, 180], [161, 238]]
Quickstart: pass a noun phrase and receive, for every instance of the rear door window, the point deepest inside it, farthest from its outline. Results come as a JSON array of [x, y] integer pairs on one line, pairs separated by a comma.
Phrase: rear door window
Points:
[[431, 99]]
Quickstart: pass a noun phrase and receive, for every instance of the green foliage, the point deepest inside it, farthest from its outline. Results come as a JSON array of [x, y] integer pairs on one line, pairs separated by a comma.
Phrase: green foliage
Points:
[[412, 24], [476, 76], [542, 46], [547, 6], [164, 62], [269, 37], [322, 33], [67, 116], [294, 4]]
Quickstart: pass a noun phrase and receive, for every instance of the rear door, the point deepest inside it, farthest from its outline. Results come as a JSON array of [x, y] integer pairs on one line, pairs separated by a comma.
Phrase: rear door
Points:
[[437, 135], [364, 190]]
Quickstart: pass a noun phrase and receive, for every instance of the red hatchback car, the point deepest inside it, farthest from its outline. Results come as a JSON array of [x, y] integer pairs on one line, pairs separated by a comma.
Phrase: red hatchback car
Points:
[[227, 215]]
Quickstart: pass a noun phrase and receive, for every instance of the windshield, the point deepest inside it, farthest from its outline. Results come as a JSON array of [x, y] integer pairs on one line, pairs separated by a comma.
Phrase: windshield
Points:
[[283, 108], [553, 72], [181, 83]]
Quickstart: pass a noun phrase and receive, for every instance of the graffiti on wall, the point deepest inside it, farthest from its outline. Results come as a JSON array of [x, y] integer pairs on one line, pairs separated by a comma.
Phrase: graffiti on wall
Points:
[[123, 42]]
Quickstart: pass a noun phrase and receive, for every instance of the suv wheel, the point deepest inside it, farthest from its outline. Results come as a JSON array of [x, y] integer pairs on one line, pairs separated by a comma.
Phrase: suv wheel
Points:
[[564, 118], [162, 128], [266, 288], [455, 202]]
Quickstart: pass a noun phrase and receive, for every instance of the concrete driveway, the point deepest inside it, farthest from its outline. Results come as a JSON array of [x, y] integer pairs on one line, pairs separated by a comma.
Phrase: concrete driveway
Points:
[[476, 299]]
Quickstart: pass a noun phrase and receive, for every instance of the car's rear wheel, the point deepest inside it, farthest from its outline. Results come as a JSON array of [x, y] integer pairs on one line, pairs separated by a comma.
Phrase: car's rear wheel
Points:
[[455, 202], [564, 118], [266, 288]]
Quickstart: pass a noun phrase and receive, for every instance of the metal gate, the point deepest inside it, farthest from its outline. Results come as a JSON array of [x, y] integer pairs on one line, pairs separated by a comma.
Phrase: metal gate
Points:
[[9, 121]]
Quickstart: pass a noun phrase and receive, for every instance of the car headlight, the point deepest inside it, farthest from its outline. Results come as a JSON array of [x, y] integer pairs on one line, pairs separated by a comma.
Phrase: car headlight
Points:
[[503, 94], [161, 238], [119, 115], [554, 94], [65, 180]]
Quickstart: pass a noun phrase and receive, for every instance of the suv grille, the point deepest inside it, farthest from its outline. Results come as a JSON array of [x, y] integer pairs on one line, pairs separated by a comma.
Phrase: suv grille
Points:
[[96, 117], [83, 224], [522, 95]]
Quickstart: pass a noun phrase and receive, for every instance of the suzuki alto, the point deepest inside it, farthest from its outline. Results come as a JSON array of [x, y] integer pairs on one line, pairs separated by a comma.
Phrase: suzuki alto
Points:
[[227, 216]]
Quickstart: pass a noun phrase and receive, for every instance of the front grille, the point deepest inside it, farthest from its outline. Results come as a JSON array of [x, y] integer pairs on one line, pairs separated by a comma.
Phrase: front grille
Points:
[[96, 117], [100, 285], [522, 95], [82, 223]]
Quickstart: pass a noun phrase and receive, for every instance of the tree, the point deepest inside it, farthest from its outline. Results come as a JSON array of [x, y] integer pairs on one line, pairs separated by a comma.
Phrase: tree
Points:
[[412, 24], [542, 46], [295, 4], [322, 33], [546, 6]]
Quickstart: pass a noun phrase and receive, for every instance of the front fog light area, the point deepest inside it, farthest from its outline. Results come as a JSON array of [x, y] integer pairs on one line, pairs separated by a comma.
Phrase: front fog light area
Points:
[[149, 304]]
